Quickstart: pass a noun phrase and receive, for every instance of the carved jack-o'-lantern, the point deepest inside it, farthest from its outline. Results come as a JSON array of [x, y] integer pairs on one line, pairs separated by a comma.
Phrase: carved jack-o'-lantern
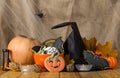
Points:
[[54, 63]]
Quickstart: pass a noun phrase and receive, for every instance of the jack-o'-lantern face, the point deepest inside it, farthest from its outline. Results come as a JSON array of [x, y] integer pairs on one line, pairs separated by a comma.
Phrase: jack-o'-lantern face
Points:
[[54, 63]]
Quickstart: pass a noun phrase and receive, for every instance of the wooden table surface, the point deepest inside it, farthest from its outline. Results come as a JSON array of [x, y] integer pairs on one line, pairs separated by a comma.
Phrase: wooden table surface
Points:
[[110, 73]]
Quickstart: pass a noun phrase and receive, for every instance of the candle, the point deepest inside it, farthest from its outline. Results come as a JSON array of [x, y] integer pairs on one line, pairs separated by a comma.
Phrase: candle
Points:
[[83, 67]]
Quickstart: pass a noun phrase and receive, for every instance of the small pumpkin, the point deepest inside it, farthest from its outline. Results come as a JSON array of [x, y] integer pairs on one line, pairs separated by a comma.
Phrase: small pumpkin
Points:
[[112, 61], [21, 49], [100, 53], [54, 63]]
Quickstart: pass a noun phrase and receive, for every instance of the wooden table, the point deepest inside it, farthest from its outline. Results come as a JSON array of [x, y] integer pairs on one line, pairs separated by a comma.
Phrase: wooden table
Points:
[[114, 73]]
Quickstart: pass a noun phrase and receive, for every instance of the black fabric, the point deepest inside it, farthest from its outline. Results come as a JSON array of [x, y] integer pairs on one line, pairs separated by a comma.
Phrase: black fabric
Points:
[[58, 44], [97, 62], [73, 44], [36, 48]]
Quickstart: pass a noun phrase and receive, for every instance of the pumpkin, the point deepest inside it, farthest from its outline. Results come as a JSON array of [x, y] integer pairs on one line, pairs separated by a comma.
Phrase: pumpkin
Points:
[[100, 53], [21, 49], [40, 58], [112, 61], [54, 63]]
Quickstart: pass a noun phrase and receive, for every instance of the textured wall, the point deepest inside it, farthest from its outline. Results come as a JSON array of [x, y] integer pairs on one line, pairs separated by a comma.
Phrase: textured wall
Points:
[[95, 18]]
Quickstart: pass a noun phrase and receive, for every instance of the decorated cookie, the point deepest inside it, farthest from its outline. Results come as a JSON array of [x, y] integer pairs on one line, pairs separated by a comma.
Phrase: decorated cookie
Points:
[[54, 63]]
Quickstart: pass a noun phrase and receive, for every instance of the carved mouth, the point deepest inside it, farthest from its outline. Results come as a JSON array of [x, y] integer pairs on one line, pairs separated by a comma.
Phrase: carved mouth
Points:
[[55, 66]]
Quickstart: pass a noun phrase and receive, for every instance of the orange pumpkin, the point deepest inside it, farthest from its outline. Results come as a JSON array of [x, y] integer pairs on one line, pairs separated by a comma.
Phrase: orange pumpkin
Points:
[[40, 58], [54, 63], [99, 53], [112, 61], [21, 49]]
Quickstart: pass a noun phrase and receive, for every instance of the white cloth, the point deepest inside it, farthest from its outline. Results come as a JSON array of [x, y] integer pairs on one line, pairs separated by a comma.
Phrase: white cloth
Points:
[[95, 18]]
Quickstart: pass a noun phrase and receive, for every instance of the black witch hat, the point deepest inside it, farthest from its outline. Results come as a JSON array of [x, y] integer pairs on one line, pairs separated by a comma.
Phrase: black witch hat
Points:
[[73, 44]]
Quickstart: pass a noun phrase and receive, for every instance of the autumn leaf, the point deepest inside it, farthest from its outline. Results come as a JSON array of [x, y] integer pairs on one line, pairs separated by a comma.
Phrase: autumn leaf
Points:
[[90, 44], [68, 60], [107, 49]]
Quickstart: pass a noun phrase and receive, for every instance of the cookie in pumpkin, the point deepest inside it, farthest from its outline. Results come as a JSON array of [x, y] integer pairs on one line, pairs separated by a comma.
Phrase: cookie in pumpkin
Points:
[[54, 63]]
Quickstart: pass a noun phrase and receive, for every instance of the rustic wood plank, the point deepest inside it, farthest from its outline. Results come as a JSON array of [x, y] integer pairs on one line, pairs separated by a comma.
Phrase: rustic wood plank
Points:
[[1, 72], [109, 74], [10, 74], [69, 75], [29, 75], [49, 75], [91, 74]]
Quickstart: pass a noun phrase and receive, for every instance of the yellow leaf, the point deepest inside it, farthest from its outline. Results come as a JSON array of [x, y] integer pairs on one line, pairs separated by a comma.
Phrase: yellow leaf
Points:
[[90, 44], [71, 61], [67, 58], [107, 49]]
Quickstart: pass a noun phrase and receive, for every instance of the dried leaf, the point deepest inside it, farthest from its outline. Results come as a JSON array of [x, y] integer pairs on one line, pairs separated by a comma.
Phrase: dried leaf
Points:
[[67, 58], [107, 49], [71, 61], [90, 44]]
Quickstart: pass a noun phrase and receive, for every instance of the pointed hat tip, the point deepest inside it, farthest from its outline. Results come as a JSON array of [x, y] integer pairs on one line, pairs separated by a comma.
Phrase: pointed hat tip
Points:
[[63, 25]]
